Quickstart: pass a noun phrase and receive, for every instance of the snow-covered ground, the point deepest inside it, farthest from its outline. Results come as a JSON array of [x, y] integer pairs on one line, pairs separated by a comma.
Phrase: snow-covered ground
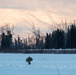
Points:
[[42, 64]]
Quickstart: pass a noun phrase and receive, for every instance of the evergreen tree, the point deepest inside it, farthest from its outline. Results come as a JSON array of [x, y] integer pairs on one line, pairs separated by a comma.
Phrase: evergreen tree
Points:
[[9, 39], [48, 41], [3, 41], [71, 37], [56, 40], [6, 40]]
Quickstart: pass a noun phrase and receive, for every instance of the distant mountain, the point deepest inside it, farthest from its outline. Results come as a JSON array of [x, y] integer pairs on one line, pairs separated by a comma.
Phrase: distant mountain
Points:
[[24, 20]]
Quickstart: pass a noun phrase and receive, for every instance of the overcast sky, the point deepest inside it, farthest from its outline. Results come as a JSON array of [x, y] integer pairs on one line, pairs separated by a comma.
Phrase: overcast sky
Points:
[[60, 6], [36, 4]]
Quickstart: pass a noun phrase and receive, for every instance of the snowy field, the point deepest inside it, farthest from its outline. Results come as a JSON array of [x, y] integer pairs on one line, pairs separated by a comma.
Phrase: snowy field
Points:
[[42, 64]]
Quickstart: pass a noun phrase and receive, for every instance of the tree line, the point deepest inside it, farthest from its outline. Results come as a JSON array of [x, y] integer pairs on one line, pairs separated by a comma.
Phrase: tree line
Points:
[[58, 39]]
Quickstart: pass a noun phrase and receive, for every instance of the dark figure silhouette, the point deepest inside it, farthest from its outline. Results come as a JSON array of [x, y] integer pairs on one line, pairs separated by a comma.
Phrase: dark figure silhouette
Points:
[[29, 59]]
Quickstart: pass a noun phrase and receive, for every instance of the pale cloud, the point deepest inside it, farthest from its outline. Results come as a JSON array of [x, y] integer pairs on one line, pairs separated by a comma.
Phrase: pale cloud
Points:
[[62, 7], [35, 4]]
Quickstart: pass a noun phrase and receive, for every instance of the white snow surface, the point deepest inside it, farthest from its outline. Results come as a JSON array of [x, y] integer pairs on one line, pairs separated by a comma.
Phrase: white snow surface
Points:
[[42, 64]]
